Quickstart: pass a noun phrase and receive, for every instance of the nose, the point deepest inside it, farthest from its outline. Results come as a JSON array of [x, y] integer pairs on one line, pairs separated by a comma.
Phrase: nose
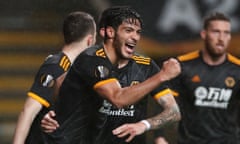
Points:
[[221, 36], [136, 36]]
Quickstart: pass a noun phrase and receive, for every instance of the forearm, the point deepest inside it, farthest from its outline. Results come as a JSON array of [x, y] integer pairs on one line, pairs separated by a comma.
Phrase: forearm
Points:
[[166, 117], [132, 94], [26, 117], [121, 97], [22, 128], [170, 114]]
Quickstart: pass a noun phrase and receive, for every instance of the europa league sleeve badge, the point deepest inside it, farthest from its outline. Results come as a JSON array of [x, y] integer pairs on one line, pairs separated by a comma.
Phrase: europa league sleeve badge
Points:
[[101, 72]]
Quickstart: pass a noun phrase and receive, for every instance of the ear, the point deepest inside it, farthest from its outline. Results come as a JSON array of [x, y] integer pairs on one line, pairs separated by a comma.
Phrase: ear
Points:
[[90, 40], [203, 34], [102, 32], [110, 32]]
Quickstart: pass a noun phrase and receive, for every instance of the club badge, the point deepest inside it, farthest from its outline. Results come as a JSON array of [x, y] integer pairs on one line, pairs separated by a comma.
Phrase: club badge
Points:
[[230, 82]]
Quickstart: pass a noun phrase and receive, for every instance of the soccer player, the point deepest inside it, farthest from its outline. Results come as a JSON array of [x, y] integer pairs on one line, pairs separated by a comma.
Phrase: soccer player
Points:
[[79, 30], [106, 80], [208, 88]]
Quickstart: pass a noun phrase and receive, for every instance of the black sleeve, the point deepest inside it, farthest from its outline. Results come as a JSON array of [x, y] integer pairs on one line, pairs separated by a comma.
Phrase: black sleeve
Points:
[[42, 87], [92, 69]]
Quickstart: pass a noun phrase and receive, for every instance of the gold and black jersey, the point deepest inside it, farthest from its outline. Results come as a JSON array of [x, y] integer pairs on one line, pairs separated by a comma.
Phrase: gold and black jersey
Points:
[[43, 89], [86, 117], [53, 67], [208, 97]]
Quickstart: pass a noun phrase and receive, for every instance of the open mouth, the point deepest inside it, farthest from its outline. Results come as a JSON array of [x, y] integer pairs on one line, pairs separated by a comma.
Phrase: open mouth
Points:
[[130, 45], [130, 48]]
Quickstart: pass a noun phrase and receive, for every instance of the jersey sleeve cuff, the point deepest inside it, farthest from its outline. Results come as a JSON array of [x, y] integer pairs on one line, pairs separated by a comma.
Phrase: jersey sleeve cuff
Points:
[[39, 99]]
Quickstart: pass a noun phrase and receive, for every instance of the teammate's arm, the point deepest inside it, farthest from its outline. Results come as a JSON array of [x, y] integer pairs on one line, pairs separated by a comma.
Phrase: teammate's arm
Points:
[[121, 97], [30, 110], [48, 123], [170, 114]]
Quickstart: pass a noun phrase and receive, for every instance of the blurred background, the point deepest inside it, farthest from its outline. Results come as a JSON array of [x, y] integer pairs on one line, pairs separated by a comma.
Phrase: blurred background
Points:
[[30, 30]]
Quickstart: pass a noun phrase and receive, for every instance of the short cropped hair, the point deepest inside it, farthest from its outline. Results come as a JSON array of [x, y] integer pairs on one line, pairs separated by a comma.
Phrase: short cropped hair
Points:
[[77, 25], [214, 16]]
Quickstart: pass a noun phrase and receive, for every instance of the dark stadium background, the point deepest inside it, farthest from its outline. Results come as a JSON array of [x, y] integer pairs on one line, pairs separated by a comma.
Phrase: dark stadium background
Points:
[[30, 30]]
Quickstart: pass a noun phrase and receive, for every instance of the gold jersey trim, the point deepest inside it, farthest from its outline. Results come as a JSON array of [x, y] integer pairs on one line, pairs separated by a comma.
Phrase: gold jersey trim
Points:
[[233, 59], [162, 93], [98, 84], [142, 60], [174, 93], [65, 63], [101, 53], [39, 99], [188, 56]]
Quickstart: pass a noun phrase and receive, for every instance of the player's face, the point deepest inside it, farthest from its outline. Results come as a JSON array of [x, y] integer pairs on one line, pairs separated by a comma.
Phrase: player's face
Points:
[[126, 39], [217, 37]]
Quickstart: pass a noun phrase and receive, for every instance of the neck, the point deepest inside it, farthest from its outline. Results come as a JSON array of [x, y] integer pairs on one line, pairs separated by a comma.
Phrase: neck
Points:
[[74, 49], [213, 60], [113, 56]]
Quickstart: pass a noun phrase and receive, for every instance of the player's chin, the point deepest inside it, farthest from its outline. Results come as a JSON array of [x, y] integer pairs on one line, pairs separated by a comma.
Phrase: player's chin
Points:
[[128, 55]]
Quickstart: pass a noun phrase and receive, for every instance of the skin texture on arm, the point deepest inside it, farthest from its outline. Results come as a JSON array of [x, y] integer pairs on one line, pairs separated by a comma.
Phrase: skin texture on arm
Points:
[[121, 97], [169, 115], [26, 117]]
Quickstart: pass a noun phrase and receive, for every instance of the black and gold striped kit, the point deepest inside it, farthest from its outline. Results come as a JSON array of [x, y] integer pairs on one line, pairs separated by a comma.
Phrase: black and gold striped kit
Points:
[[83, 115], [43, 89], [208, 97]]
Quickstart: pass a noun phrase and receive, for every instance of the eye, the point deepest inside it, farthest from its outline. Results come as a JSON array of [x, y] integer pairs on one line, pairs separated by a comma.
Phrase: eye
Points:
[[128, 30], [227, 32], [139, 32], [215, 32]]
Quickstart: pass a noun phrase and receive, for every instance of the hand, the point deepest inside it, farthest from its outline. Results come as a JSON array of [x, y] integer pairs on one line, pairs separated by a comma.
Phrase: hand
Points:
[[160, 140], [132, 130], [170, 69], [48, 123]]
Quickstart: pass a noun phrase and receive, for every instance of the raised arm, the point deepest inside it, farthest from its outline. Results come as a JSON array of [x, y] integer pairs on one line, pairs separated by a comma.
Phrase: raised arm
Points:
[[120, 97]]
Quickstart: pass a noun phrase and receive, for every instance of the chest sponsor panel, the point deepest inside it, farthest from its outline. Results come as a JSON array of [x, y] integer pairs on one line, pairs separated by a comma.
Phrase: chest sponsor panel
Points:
[[212, 97]]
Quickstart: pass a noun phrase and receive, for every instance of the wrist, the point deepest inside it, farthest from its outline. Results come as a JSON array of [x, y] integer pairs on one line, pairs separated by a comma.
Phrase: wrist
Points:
[[147, 124], [162, 76]]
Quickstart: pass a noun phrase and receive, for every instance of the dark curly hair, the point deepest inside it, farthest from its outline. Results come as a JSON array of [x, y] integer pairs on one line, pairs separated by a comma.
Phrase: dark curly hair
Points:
[[115, 16]]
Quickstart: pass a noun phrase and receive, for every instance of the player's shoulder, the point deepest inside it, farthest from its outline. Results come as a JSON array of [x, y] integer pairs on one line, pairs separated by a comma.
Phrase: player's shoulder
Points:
[[233, 59], [189, 56], [59, 59], [96, 50], [91, 57], [56, 58], [141, 59]]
